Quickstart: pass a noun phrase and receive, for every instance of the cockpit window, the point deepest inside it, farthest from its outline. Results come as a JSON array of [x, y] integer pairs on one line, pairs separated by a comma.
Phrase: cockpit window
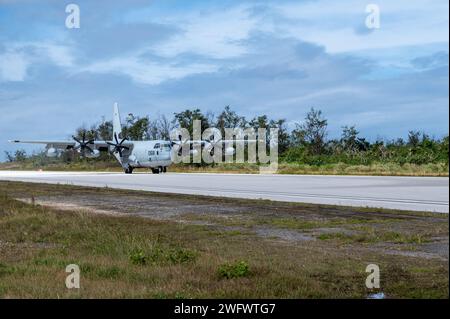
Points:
[[166, 146], [156, 145]]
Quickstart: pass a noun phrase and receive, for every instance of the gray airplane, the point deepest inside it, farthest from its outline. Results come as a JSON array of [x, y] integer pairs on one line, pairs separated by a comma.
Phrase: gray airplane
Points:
[[156, 155]]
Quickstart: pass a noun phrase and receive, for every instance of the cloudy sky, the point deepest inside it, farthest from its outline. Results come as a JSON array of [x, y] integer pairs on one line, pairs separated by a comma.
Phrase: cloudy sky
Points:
[[274, 57]]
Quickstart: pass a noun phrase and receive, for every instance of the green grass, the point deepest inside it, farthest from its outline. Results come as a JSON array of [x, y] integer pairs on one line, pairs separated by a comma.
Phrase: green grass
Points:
[[304, 224], [379, 169], [133, 257], [373, 236], [159, 254], [234, 270], [293, 223]]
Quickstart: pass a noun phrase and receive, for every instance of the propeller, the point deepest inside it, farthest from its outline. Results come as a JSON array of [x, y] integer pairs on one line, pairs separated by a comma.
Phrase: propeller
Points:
[[118, 147], [179, 143], [83, 145], [212, 145]]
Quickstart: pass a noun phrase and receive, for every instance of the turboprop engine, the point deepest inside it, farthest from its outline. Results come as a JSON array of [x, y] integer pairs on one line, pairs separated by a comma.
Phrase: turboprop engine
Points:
[[194, 152], [229, 151], [52, 152], [93, 154]]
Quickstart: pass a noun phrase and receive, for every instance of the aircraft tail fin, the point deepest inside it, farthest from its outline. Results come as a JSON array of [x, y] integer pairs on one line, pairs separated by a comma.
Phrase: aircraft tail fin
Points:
[[117, 124]]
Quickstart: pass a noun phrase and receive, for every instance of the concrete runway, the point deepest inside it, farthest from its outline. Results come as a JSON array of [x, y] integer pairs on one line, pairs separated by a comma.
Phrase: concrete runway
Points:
[[405, 193]]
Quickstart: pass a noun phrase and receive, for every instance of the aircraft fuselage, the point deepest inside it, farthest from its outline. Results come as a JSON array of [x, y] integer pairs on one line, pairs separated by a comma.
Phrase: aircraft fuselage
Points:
[[149, 154]]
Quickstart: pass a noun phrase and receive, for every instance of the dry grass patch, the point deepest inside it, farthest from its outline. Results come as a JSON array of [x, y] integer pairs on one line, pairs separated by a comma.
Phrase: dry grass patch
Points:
[[134, 257]]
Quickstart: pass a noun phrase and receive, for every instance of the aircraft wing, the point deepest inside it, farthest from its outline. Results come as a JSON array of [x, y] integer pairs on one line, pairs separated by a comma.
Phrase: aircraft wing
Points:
[[65, 145], [103, 145], [69, 144], [55, 144], [206, 142]]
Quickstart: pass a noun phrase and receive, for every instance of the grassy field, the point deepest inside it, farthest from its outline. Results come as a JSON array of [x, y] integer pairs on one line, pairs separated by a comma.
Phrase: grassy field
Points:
[[210, 248], [379, 169], [389, 169]]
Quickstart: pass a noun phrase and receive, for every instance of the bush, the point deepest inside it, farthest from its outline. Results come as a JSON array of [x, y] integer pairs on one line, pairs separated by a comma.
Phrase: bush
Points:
[[425, 151], [236, 270], [138, 257], [162, 255], [179, 256]]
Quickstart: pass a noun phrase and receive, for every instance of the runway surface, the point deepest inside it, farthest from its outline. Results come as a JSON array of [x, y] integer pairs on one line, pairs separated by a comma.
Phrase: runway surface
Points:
[[405, 193]]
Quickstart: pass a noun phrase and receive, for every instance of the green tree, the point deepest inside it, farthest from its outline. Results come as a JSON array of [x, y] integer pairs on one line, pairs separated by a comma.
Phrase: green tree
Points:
[[87, 133], [312, 132], [105, 131], [165, 126], [186, 119], [230, 119], [20, 156], [259, 122], [351, 142], [136, 128], [153, 130], [9, 156], [283, 134], [413, 138]]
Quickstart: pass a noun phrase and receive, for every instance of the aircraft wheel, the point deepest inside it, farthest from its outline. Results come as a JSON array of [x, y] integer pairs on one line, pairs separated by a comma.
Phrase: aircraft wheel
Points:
[[129, 170], [164, 169], [155, 170]]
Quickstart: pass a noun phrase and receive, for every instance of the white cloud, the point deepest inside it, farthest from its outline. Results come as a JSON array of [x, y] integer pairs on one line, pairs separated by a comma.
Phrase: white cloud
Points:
[[216, 34], [259, 58], [332, 23], [147, 72], [221, 33], [58, 54], [13, 67], [20, 56]]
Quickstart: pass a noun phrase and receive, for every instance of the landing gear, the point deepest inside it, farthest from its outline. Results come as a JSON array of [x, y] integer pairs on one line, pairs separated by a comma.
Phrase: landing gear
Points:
[[129, 170], [161, 169]]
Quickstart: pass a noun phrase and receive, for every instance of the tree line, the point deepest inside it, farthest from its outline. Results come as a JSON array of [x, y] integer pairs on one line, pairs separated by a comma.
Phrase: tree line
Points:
[[307, 143]]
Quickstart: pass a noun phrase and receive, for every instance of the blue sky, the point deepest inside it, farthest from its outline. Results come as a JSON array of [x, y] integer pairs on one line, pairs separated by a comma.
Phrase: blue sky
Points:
[[274, 57]]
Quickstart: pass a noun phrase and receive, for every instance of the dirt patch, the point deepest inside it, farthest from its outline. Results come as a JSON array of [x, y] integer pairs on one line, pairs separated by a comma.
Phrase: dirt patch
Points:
[[287, 235], [336, 230], [71, 207], [438, 247], [172, 246], [292, 223], [413, 253]]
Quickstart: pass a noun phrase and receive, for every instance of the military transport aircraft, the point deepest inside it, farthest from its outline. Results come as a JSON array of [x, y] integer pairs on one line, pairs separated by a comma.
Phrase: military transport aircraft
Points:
[[155, 154]]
